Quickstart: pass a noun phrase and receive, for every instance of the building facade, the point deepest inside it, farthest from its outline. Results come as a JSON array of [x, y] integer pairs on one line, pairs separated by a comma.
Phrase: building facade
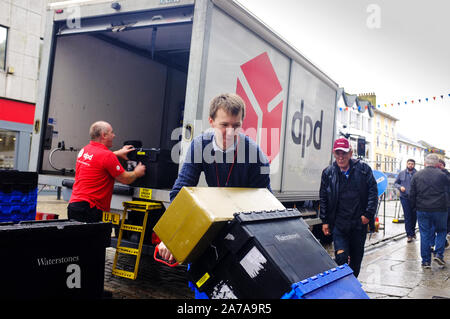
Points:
[[354, 120], [409, 149], [385, 142], [21, 36]]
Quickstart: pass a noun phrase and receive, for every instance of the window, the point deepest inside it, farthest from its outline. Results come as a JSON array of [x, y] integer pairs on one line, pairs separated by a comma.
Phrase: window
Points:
[[3, 38], [41, 46], [7, 149], [353, 120], [387, 161], [369, 125], [344, 119], [378, 163]]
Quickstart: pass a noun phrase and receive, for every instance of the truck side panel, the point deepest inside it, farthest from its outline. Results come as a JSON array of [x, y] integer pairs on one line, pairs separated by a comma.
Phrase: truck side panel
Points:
[[309, 133], [296, 139], [241, 62]]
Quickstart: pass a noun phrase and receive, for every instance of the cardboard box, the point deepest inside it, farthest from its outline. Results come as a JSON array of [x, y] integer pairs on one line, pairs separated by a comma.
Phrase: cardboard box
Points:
[[197, 214]]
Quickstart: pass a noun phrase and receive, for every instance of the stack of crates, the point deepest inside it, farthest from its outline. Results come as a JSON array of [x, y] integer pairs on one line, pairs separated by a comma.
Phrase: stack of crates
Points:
[[18, 195], [270, 255]]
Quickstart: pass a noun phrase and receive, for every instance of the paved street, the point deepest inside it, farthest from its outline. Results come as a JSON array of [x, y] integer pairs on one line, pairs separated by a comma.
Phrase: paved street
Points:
[[394, 271], [391, 267]]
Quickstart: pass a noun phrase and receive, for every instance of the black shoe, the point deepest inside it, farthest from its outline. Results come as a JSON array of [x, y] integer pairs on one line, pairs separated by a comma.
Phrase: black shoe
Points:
[[439, 260], [426, 265]]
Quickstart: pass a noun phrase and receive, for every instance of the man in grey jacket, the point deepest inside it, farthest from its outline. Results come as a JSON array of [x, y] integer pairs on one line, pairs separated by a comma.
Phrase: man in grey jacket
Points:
[[428, 197], [441, 165], [403, 184]]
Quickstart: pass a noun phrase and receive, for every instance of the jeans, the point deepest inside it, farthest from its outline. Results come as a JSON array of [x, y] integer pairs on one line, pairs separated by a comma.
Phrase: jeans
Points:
[[352, 243], [410, 217], [448, 220], [431, 224]]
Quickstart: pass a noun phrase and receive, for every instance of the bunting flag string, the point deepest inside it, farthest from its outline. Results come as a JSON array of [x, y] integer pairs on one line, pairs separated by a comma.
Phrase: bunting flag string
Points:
[[416, 100], [439, 97]]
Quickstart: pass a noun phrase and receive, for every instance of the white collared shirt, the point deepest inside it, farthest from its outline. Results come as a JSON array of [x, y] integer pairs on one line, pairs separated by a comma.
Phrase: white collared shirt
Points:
[[217, 148]]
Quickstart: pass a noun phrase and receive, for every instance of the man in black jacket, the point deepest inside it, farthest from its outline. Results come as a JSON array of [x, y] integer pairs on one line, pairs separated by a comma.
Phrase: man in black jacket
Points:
[[348, 202], [428, 197]]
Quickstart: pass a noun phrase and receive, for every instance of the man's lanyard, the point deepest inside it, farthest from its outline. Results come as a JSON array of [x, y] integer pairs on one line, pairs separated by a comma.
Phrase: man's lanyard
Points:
[[229, 172]]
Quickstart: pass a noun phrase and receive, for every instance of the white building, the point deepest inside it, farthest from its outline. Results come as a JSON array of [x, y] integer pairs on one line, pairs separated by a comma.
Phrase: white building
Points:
[[21, 35], [409, 149], [354, 118]]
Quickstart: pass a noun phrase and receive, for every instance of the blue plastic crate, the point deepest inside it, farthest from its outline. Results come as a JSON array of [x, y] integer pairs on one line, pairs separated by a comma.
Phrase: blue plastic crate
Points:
[[198, 294], [17, 196], [30, 197], [17, 212], [10, 208], [336, 283]]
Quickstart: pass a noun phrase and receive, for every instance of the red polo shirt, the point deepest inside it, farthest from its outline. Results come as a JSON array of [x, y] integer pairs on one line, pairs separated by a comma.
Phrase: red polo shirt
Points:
[[95, 171]]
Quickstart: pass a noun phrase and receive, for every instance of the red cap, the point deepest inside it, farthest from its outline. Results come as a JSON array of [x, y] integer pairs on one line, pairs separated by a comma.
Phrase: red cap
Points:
[[341, 144]]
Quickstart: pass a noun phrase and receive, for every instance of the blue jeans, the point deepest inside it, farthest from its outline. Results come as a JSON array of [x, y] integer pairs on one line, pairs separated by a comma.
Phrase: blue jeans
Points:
[[431, 223], [410, 217]]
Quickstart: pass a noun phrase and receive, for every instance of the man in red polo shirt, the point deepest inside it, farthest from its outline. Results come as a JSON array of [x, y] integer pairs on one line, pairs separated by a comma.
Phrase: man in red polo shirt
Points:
[[96, 171]]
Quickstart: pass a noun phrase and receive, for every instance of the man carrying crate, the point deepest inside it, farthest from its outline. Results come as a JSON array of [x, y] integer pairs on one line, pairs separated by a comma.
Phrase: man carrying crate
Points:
[[227, 157]]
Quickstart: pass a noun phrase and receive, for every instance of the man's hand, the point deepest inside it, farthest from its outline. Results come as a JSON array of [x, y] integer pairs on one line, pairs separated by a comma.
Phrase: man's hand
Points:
[[326, 229], [129, 177], [165, 253], [364, 220], [123, 152], [139, 170], [402, 189]]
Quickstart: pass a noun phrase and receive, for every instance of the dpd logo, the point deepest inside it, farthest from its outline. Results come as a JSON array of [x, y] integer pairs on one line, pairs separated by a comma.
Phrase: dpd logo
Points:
[[307, 132], [261, 90]]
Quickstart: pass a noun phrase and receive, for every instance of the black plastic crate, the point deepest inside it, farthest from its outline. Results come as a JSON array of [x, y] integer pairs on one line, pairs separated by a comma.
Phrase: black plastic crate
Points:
[[260, 255], [161, 171], [13, 180], [59, 259]]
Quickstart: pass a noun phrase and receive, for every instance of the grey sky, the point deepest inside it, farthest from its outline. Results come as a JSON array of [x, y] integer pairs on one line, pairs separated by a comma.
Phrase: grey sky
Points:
[[406, 58]]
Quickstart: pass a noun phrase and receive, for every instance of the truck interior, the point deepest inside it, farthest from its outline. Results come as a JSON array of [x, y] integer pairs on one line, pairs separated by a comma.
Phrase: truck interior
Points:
[[130, 74]]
